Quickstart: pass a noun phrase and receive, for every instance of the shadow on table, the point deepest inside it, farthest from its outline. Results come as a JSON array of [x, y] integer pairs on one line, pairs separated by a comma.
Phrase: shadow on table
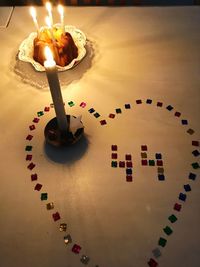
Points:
[[38, 79], [67, 154]]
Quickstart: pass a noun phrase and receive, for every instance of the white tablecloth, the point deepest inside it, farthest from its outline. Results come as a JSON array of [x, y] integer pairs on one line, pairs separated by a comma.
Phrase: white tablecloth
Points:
[[134, 54]]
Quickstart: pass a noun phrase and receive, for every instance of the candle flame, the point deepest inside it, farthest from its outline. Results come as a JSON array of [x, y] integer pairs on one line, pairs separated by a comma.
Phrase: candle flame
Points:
[[48, 6], [33, 12], [48, 21], [60, 10], [48, 54]]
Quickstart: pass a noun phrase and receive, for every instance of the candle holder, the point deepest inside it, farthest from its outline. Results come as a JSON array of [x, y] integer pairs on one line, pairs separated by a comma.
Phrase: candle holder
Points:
[[54, 136]]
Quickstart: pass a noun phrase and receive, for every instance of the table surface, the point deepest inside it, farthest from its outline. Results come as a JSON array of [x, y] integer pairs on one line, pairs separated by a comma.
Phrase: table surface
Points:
[[132, 54]]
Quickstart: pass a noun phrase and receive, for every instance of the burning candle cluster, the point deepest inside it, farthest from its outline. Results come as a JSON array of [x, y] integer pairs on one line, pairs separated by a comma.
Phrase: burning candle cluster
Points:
[[54, 36], [49, 18]]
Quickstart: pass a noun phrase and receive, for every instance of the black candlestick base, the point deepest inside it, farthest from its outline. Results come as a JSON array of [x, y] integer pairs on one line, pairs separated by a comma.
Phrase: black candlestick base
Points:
[[55, 137]]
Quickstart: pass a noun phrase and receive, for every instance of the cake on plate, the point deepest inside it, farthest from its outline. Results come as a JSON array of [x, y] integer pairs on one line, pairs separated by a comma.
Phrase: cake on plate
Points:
[[62, 46]]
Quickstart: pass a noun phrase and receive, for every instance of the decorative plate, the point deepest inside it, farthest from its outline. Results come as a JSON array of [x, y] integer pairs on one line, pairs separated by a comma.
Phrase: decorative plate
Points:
[[26, 48]]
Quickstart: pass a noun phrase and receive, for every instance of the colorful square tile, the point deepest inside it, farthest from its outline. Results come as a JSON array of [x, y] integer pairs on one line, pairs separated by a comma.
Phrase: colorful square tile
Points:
[[71, 103], [127, 106], [128, 157], [29, 137], [96, 115], [151, 162], [177, 207], [158, 156], [184, 122], [67, 239], [111, 115], [144, 147], [161, 177], [76, 249], [103, 122], [28, 148], [84, 259], [143, 155], [29, 157], [129, 164], [159, 162], [50, 206], [114, 164], [129, 171], [44, 196], [196, 153], [32, 127], [152, 263], [46, 109], [156, 252], [114, 155], [138, 101], [31, 166], [34, 177], [195, 143], [160, 170], [187, 188], [159, 104], [56, 216], [190, 131], [144, 162], [83, 104], [162, 242], [169, 107], [182, 196], [195, 165], [40, 113], [114, 147], [148, 101], [36, 120], [91, 110], [177, 114], [118, 110], [38, 187], [122, 164], [168, 230], [129, 178], [63, 227], [172, 218], [192, 176]]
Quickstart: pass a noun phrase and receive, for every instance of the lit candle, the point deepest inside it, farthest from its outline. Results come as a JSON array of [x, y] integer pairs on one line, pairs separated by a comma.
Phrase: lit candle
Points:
[[49, 9], [34, 16], [61, 12], [48, 22], [54, 85]]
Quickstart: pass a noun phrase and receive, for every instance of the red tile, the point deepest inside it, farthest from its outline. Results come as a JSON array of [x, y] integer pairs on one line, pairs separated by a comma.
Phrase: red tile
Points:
[[114, 155], [129, 164], [122, 164], [177, 207]]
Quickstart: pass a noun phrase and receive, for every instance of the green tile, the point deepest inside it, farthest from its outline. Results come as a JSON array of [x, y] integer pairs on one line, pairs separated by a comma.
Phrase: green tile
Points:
[[40, 113], [151, 162], [195, 165], [168, 230], [172, 218], [44, 196], [114, 164], [162, 242], [28, 148]]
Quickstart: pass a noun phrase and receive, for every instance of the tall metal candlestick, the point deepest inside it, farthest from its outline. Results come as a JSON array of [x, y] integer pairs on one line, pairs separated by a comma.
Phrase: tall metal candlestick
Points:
[[54, 85]]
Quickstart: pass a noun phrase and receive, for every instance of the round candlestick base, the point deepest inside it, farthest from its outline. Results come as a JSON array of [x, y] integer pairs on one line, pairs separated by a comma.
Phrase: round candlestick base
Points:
[[55, 137]]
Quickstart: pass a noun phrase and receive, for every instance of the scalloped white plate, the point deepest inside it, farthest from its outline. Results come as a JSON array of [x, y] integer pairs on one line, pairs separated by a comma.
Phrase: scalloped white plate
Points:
[[26, 48]]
